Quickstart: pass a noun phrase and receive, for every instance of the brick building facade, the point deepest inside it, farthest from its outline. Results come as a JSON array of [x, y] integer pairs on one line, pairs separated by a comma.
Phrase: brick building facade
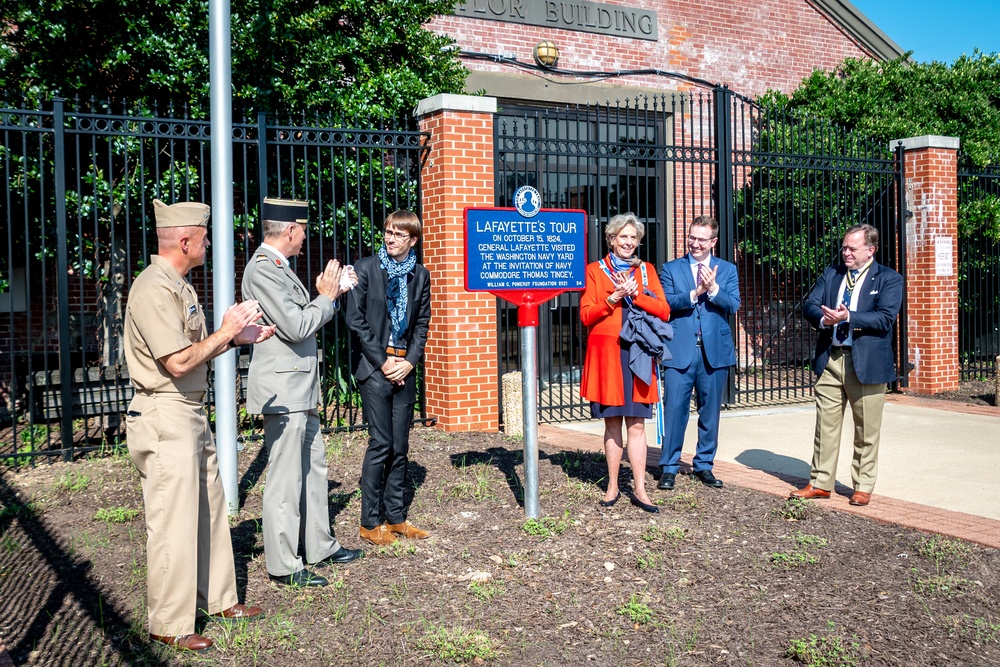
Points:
[[749, 46]]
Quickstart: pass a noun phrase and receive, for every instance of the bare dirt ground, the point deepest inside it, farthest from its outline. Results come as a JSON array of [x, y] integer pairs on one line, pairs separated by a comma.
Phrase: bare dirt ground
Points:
[[718, 577]]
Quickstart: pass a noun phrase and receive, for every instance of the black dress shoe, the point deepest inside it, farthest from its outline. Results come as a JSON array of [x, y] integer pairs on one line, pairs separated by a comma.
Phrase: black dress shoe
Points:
[[301, 578], [667, 480], [645, 507], [342, 555], [610, 503], [707, 478]]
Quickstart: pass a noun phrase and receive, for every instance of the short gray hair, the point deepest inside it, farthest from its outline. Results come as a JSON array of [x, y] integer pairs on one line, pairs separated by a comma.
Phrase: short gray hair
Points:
[[274, 228], [619, 222]]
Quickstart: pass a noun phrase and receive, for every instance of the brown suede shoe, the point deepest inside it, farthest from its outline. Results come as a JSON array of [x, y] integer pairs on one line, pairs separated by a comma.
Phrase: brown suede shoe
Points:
[[861, 498], [191, 642], [379, 536], [238, 612], [810, 492], [407, 529]]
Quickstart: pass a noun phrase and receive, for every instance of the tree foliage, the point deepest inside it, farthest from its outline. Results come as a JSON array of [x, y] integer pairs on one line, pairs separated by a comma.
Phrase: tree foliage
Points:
[[366, 58], [898, 99]]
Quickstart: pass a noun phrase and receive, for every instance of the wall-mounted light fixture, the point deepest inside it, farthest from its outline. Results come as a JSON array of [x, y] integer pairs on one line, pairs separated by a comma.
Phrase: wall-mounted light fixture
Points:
[[546, 53]]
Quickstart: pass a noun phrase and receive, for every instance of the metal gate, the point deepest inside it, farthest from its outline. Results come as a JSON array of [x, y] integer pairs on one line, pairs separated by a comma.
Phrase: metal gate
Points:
[[782, 187], [76, 191], [978, 270]]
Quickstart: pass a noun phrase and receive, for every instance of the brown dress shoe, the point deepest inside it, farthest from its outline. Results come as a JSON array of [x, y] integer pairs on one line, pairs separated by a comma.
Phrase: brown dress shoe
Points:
[[861, 498], [191, 642], [379, 536], [810, 492], [238, 612], [407, 529]]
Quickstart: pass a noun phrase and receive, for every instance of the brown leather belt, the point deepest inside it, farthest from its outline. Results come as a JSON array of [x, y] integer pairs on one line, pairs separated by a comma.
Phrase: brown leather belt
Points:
[[395, 351]]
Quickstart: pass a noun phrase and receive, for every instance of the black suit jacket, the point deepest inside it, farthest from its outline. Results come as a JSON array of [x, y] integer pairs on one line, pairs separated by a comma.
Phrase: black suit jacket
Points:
[[879, 301], [368, 316]]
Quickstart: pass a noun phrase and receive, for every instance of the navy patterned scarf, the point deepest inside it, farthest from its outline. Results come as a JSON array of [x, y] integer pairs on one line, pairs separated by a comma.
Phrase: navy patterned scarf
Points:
[[395, 294]]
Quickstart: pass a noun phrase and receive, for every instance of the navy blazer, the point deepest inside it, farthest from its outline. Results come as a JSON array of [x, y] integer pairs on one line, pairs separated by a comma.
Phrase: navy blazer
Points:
[[878, 304], [368, 316], [713, 313]]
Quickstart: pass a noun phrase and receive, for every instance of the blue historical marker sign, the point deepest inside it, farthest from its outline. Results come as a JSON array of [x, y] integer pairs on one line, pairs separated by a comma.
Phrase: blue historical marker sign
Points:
[[508, 251]]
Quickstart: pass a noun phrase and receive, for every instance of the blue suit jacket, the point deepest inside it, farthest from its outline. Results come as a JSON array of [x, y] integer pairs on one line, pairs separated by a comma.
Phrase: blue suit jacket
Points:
[[717, 337], [878, 305]]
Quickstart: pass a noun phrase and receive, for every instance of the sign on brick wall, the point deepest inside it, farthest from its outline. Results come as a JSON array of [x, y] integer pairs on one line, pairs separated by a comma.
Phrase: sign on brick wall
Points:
[[580, 15]]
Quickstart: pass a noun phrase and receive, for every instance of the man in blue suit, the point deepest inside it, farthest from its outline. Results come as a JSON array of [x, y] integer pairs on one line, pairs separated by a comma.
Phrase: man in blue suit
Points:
[[853, 306], [703, 292]]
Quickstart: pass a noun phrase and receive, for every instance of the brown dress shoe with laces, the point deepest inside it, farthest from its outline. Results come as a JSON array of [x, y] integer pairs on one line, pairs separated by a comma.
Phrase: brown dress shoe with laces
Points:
[[379, 536], [861, 498], [407, 529], [810, 492], [238, 612], [191, 642]]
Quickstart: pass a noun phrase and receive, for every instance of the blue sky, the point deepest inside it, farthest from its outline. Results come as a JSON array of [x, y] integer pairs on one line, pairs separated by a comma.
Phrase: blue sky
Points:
[[937, 30]]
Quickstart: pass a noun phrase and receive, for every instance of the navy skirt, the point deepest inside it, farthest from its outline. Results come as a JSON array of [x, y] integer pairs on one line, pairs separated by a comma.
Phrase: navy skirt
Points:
[[630, 408]]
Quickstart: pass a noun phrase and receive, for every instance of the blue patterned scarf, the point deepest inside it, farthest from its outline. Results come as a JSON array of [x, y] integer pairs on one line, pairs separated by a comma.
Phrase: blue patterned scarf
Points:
[[395, 293], [619, 264]]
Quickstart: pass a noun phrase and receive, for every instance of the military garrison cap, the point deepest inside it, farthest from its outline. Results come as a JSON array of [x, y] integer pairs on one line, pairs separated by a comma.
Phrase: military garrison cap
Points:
[[285, 210], [181, 214]]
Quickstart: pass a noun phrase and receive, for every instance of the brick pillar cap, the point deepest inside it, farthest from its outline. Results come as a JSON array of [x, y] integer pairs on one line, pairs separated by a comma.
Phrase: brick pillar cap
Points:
[[926, 141], [451, 102]]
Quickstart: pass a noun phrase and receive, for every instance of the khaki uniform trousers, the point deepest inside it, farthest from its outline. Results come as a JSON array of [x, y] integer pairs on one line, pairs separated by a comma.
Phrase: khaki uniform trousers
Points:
[[836, 387], [296, 493], [171, 445]]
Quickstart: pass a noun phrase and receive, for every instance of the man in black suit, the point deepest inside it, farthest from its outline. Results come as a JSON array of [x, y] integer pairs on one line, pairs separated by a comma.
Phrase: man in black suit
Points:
[[853, 306], [389, 311]]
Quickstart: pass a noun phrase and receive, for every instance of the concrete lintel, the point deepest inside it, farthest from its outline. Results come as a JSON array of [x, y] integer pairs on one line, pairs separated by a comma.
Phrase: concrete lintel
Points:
[[926, 141], [451, 102]]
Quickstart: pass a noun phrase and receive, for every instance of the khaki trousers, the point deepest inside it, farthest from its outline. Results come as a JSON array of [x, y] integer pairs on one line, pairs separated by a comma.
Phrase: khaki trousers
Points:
[[837, 387], [189, 552], [296, 493]]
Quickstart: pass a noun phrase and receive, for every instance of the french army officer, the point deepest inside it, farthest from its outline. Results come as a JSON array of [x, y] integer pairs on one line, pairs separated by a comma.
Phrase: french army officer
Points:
[[284, 387]]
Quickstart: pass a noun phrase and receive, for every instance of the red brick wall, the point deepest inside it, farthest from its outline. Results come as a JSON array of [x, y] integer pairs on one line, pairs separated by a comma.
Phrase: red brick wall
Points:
[[461, 357], [751, 46], [932, 300]]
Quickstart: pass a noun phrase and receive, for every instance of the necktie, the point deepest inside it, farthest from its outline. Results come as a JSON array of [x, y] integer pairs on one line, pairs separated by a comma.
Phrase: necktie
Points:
[[844, 328], [701, 299]]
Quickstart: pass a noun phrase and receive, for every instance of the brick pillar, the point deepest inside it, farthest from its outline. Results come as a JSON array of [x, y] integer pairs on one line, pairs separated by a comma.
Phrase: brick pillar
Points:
[[461, 363], [932, 281]]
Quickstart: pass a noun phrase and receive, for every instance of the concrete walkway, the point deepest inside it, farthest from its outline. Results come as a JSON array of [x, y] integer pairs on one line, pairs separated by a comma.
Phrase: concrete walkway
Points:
[[936, 461]]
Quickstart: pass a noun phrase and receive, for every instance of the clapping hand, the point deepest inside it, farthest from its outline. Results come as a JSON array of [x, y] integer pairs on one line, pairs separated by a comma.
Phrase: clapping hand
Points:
[[328, 282], [707, 285]]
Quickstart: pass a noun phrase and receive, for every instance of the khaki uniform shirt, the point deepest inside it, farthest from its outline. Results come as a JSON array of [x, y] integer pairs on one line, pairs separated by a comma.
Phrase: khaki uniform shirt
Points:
[[162, 316]]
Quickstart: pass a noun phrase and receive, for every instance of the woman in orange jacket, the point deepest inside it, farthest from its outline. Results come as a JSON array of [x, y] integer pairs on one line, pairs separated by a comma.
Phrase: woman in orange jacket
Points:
[[615, 284]]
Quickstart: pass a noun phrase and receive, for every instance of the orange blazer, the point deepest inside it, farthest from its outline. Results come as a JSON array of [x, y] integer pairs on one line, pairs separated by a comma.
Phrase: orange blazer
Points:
[[602, 380]]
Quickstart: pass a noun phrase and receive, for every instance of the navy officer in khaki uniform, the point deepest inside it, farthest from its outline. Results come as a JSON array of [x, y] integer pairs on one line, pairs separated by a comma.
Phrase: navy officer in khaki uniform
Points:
[[189, 553], [283, 385]]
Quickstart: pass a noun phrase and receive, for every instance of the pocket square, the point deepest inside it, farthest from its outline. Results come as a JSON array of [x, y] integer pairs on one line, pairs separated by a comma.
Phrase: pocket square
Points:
[[874, 291]]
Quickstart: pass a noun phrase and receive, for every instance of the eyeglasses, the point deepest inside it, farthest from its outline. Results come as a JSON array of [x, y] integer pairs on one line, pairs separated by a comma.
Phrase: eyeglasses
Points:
[[399, 236], [699, 240]]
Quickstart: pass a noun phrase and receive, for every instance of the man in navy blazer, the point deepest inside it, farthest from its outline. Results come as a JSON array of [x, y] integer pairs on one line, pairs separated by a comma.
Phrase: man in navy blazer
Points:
[[854, 307], [388, 312], [703, 292]]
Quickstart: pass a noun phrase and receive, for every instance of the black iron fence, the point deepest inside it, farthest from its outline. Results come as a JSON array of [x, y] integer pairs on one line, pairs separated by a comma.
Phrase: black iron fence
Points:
[[783, 188], [978, 270], [798, 184], [76, 189]]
